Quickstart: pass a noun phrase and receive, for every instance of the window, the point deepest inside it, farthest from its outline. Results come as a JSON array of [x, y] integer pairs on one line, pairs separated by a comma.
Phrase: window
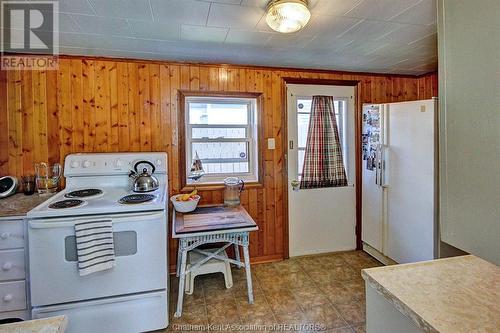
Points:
[[223, 132], [303, 115]]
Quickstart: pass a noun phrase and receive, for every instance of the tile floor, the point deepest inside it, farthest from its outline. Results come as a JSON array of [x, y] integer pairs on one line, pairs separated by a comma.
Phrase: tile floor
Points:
[[326, 290]]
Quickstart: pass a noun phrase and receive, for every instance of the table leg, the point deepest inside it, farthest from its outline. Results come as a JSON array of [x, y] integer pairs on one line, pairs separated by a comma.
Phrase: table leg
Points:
[[237, 253], [178, 268], [182, 280], [248, 273]]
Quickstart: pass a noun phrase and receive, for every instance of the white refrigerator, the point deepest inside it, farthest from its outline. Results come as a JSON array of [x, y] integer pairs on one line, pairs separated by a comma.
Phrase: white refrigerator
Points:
[[399, 180]]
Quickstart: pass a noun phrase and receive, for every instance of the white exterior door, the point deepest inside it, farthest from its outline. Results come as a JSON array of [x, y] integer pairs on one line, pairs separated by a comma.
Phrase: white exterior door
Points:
[[320, 220]]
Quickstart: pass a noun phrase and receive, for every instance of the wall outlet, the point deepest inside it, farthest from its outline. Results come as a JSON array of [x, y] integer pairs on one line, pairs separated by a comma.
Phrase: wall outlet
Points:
[[271, 143]]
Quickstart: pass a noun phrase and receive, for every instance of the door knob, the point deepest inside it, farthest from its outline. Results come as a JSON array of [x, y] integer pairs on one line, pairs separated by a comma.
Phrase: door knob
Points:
[[7, 266]]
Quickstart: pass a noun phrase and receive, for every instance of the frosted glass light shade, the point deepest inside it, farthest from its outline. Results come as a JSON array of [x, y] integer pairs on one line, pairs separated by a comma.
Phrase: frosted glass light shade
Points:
[[287, 16]]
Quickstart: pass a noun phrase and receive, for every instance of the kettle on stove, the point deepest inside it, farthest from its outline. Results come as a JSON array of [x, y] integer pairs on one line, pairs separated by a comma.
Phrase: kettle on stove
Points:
[[145, 181]]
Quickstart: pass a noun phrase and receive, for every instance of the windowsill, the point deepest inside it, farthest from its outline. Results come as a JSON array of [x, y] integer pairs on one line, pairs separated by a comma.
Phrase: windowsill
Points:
[[215, 187]]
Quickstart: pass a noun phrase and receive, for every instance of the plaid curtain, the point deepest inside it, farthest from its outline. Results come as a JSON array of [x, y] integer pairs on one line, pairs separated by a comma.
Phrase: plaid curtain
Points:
[[323, 163]]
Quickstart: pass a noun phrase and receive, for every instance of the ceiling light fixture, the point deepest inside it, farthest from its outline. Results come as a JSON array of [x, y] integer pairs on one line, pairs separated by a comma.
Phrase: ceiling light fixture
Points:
[[287, 16]]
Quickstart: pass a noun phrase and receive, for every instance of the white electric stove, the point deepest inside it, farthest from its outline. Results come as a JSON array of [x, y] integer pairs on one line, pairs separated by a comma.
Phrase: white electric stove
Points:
[[130, 297]]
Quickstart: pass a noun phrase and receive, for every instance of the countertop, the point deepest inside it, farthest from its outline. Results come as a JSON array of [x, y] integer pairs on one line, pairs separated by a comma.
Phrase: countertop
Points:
[[459, 294], [47, 325], [20, 204]]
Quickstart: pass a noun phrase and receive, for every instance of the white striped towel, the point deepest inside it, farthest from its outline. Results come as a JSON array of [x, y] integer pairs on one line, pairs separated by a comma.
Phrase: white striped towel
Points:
[[94, 246]]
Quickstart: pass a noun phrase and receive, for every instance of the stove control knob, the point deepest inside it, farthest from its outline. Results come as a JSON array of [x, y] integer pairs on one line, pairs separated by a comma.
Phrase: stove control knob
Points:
[[158, 162], [74, 164], [86, 164], [118, 163]]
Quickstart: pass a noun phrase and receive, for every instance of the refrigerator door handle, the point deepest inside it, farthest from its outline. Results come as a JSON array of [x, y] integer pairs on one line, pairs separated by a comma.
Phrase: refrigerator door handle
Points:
[[385, 167], [381, 166], [378, 165], [377, 176]]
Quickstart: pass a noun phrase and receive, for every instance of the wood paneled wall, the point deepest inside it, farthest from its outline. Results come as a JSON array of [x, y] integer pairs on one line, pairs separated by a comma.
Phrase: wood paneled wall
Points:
[[109, 105]]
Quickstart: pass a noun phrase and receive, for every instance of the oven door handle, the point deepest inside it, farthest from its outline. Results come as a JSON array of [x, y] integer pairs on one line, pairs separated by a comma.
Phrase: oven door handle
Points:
[[59, 223]]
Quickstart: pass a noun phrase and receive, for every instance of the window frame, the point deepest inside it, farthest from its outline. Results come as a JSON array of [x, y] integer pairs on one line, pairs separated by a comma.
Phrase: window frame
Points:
[[253, 129]]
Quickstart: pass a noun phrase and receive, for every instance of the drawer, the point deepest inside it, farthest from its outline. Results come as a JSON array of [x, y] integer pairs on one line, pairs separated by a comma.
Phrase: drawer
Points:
[[12, 265], [11, 234], [12, 296]]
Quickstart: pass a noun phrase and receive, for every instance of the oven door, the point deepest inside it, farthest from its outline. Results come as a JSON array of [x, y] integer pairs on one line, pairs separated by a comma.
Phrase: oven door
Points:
[[140, 265]]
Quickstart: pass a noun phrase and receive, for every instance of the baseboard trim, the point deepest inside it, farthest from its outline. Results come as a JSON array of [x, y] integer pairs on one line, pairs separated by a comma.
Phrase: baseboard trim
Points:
[[320, 252], [267, 259], [377, 255]]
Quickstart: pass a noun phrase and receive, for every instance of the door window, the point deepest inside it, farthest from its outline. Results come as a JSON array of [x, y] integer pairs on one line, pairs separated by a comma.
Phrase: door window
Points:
[[303, 116]]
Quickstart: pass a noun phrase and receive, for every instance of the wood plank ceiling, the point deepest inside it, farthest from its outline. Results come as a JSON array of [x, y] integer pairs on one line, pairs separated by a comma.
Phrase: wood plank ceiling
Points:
[[108, 105]]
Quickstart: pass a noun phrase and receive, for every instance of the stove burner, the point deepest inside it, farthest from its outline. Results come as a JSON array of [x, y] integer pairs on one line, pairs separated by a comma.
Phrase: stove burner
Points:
[[88, 192], [136, 198], [66, 204]]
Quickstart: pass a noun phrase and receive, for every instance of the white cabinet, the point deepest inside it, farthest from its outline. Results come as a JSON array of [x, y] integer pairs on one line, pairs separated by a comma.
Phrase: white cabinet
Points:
[[11, 234], [377, 307], [12, 265], [13, 269], [469, 81], [12, 296]]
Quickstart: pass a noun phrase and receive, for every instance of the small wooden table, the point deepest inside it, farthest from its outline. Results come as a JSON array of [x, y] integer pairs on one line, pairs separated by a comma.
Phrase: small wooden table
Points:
[[212, 224]]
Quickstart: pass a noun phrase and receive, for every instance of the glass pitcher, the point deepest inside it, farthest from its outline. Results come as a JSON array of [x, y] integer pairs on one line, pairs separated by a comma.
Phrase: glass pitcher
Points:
[[47, 177], [232, 190]]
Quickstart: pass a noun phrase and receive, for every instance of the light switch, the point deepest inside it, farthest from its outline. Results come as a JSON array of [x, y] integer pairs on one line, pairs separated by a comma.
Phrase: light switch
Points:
[[271, 143]]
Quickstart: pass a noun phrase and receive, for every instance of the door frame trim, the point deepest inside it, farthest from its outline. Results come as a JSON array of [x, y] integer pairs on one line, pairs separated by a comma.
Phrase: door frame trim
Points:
[[357, 149]]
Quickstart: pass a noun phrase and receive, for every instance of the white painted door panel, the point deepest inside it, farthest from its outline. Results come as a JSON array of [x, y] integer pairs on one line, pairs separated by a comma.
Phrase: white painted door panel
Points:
[[321, 220]]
